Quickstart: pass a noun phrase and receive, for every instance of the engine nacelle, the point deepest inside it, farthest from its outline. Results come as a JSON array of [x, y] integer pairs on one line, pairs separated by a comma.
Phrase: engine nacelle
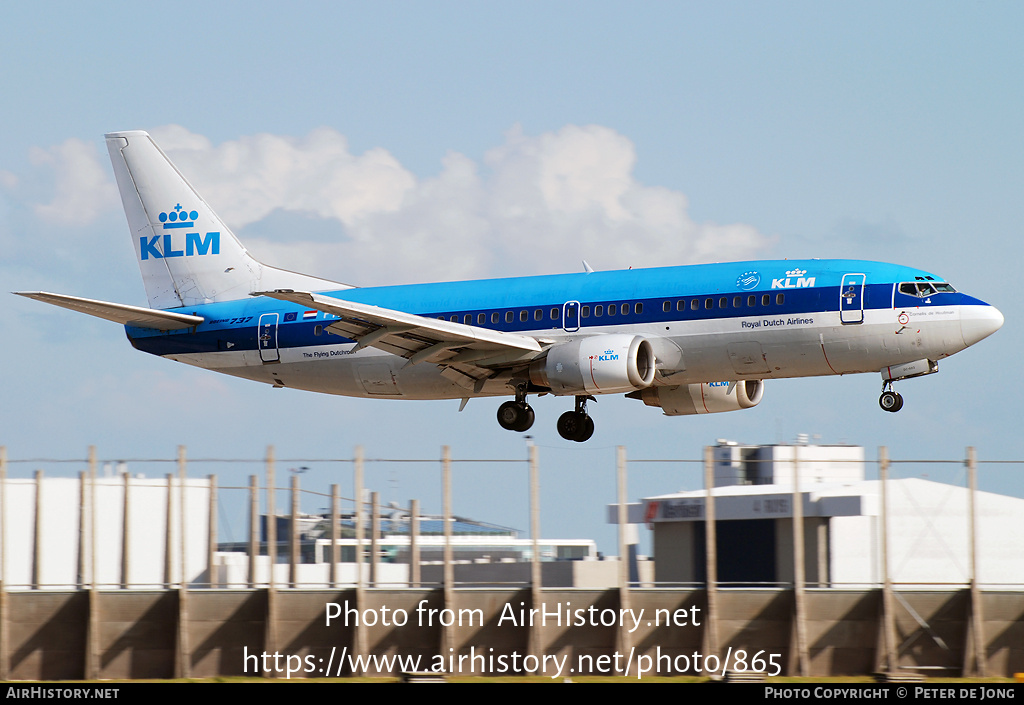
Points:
[[705, 398], [599, 364]]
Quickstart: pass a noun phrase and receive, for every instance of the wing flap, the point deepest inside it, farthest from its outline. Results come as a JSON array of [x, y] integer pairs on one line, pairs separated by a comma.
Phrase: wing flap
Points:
[[119, 313], [407, 334]]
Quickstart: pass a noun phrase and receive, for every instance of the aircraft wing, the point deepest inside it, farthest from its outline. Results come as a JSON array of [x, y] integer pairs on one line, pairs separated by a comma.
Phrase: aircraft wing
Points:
[[470, 350], [119, 313]]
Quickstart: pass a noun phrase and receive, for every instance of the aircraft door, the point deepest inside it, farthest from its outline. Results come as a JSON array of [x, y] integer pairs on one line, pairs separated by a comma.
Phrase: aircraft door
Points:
[[571, 316], [851, 299], [267, 338]]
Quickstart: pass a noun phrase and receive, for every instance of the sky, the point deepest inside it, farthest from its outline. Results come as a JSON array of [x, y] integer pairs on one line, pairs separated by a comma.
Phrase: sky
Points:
[[389, 143]]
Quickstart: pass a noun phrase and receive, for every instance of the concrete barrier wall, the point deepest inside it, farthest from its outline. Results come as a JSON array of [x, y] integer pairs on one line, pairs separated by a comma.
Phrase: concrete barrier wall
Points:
[[208, 633]]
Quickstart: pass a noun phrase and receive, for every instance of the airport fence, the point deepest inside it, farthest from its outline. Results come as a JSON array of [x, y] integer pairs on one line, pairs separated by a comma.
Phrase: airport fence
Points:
[[152, 567], [147, 522]]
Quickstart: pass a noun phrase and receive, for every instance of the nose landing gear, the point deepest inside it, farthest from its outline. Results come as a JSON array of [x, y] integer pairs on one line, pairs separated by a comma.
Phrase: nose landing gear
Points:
[[890, 400]]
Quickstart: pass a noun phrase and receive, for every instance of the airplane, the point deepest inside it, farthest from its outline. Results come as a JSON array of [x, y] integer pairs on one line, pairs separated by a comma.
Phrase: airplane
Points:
[[693, 339]]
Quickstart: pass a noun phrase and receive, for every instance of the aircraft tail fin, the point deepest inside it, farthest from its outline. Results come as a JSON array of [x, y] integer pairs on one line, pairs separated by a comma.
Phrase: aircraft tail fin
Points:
[[187, 254]]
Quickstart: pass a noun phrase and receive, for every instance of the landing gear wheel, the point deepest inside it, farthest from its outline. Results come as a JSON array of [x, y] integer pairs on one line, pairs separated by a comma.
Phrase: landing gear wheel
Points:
[[575, 426], [588, 430], [515, 416], [890, 401], [527, 418], [570, 424]]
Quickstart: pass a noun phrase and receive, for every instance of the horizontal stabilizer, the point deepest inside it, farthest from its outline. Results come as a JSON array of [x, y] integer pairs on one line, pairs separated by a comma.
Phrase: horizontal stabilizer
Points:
[[119, 313]]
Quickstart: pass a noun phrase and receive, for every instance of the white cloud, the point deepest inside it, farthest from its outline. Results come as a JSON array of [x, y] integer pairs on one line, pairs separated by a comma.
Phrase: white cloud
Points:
[[570, 194], [536, 204], [246, 179], [84, 188]]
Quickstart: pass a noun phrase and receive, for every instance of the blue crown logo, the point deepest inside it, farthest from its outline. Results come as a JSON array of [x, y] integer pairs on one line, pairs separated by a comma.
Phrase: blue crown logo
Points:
[[178, 218]]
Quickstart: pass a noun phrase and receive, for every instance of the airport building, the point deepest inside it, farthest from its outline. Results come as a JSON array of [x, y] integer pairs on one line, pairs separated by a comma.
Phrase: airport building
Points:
[[135, 537], [928, 537], [147, 533]]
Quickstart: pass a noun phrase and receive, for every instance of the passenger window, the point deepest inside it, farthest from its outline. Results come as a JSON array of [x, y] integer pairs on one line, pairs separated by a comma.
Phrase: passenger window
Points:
[[780, 299], [666, 306], [709, 303], [585, 312], [318, 330], [455, 319], [737, 301], [554, 314], [765, 300], [509, 316], [681, 305], [694, 305], [723, 302], [494, 317], [751, 300], [524, 316], [598, 311], [481, 318], [625, 309], [638, 308], [468, 319], [612, 309]]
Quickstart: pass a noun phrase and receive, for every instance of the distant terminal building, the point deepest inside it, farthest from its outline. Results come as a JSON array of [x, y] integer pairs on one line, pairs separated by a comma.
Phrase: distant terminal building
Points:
[[483, 553], [473, 541], [842, 523]]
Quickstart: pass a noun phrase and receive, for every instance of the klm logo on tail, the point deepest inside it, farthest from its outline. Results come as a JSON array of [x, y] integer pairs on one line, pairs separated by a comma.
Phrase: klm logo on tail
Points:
[[162, 246]]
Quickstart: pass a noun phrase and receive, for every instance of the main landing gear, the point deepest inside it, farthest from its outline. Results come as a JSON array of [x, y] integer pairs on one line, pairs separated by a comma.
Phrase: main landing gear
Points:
[[572, 425], [576, 425], [890, 400], [516, 415]]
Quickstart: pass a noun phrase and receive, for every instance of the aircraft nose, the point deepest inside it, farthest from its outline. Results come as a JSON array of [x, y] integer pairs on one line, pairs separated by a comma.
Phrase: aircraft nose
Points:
[[979, 322]]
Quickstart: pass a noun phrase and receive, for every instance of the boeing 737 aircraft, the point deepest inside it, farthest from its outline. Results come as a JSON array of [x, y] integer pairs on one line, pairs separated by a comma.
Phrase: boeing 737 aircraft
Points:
[[690, 340]]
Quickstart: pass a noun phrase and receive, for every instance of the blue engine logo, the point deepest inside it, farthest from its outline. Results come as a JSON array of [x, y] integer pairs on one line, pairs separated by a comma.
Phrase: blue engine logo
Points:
[[748, 280]]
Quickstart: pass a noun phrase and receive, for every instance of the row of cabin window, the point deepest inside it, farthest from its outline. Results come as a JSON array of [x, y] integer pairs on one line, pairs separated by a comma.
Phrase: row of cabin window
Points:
[[723, 302], [538, 314], [613, 309]]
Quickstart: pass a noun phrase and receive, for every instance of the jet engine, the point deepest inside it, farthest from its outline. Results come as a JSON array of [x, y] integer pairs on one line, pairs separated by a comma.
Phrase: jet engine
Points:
[[599, 364], [704, 398]]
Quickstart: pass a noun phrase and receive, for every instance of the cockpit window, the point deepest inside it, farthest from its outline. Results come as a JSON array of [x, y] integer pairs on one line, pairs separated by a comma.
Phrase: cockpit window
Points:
[[919, 289], [924, 289]]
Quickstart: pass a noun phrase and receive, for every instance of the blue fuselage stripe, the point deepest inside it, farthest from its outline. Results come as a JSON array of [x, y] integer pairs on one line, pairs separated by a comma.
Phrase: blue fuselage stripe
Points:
[[716, 289]]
